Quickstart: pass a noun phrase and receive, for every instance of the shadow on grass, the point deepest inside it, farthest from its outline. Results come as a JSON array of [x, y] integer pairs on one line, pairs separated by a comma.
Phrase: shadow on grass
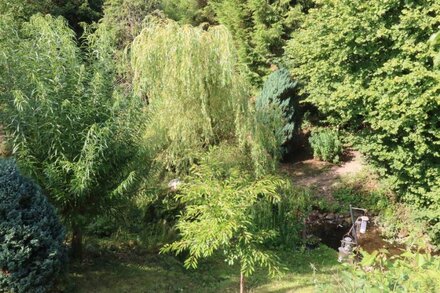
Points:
[[164, 273]]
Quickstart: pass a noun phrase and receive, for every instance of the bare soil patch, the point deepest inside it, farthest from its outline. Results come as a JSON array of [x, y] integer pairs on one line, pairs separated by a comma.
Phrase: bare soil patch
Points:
[[324, 176]]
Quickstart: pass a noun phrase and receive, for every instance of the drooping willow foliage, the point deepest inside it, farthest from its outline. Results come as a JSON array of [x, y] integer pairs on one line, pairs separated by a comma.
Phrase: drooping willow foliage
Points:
[[196, 94]]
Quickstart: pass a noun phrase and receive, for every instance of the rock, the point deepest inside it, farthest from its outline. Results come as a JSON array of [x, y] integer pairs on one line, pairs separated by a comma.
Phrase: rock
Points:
[[330, 216], [403, 233], [313, 216], [174, 184]]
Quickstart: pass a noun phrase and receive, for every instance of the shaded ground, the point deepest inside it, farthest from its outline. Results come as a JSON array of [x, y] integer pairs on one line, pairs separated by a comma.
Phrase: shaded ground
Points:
[[373, 240], [326, 180], [133, 273]]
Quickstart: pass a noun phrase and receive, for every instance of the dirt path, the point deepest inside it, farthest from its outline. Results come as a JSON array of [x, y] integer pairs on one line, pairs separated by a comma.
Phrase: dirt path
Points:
[[324, 176]]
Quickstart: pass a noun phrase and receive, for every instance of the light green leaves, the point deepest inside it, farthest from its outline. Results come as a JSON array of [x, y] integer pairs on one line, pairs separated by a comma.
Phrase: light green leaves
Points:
[[218, 217], [196, 94], [61, 115], [371, 68]]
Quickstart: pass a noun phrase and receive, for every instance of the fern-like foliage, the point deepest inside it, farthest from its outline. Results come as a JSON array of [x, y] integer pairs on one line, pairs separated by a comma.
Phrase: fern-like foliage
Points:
[[219, 202]]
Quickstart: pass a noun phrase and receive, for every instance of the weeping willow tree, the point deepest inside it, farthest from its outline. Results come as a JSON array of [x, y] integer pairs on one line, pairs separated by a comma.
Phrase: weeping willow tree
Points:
[[68, 125], [196, 94]]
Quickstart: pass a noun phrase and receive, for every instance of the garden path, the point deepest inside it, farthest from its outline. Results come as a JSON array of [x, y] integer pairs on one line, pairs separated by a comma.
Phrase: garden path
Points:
[[324, 176]]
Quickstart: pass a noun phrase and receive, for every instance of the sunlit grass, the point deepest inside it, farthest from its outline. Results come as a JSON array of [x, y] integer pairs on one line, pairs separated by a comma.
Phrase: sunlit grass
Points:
[[305, 270]]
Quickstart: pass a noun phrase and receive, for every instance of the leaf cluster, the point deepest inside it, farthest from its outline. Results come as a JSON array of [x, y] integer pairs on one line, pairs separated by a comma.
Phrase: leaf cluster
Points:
[[326, 145], [218, 217], [380, 272]]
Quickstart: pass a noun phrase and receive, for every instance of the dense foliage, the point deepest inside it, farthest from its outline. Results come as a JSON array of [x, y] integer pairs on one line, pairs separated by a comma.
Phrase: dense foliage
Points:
[[69, 126], [186, 11], [219, 215], [124, 19], [326, 145], [103, 115], [32, 252], [260, 29], [274, 120], [76, 12], [285, 216], [196, 95], [369, 67], [378, 272]]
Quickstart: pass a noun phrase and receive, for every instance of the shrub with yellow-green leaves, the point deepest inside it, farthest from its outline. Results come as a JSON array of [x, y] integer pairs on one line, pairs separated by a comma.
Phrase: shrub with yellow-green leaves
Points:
[[370, 67]]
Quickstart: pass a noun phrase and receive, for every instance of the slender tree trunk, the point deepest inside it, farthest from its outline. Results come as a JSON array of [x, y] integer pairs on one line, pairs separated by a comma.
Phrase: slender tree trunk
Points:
[[76, 246], [241, 282], [304, 231]]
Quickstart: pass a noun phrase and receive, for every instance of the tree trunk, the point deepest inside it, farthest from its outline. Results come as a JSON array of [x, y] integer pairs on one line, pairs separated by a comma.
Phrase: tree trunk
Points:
[[304, 231], [241, 282], [76, 245]]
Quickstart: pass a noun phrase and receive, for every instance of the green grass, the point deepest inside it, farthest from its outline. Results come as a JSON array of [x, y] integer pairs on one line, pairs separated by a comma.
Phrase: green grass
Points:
[[131, 272]]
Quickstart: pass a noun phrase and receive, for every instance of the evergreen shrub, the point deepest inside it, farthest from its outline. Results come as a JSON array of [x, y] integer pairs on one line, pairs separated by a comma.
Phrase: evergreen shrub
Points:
[[274, 120], [279, 91], [32, 253]]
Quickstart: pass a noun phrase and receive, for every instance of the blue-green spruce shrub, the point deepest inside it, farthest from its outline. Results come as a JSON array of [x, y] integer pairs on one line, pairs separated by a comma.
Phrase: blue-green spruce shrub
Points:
[[32, 251], [274, 120], [279, 92]]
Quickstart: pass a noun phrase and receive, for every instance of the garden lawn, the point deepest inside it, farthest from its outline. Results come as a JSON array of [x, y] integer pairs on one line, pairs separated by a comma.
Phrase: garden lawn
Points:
[[131, 272]]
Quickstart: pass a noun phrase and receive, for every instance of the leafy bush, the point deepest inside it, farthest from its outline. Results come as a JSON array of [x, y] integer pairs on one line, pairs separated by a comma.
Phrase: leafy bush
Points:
[[32, 253], [374, 200], [92, 128], [102, 226], [326, 145], [370, 67], [378, 272]]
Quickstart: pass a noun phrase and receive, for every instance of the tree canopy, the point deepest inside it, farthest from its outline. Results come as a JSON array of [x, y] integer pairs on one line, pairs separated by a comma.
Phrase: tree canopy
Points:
[[369, 68], [69, 126], [196, 94]]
